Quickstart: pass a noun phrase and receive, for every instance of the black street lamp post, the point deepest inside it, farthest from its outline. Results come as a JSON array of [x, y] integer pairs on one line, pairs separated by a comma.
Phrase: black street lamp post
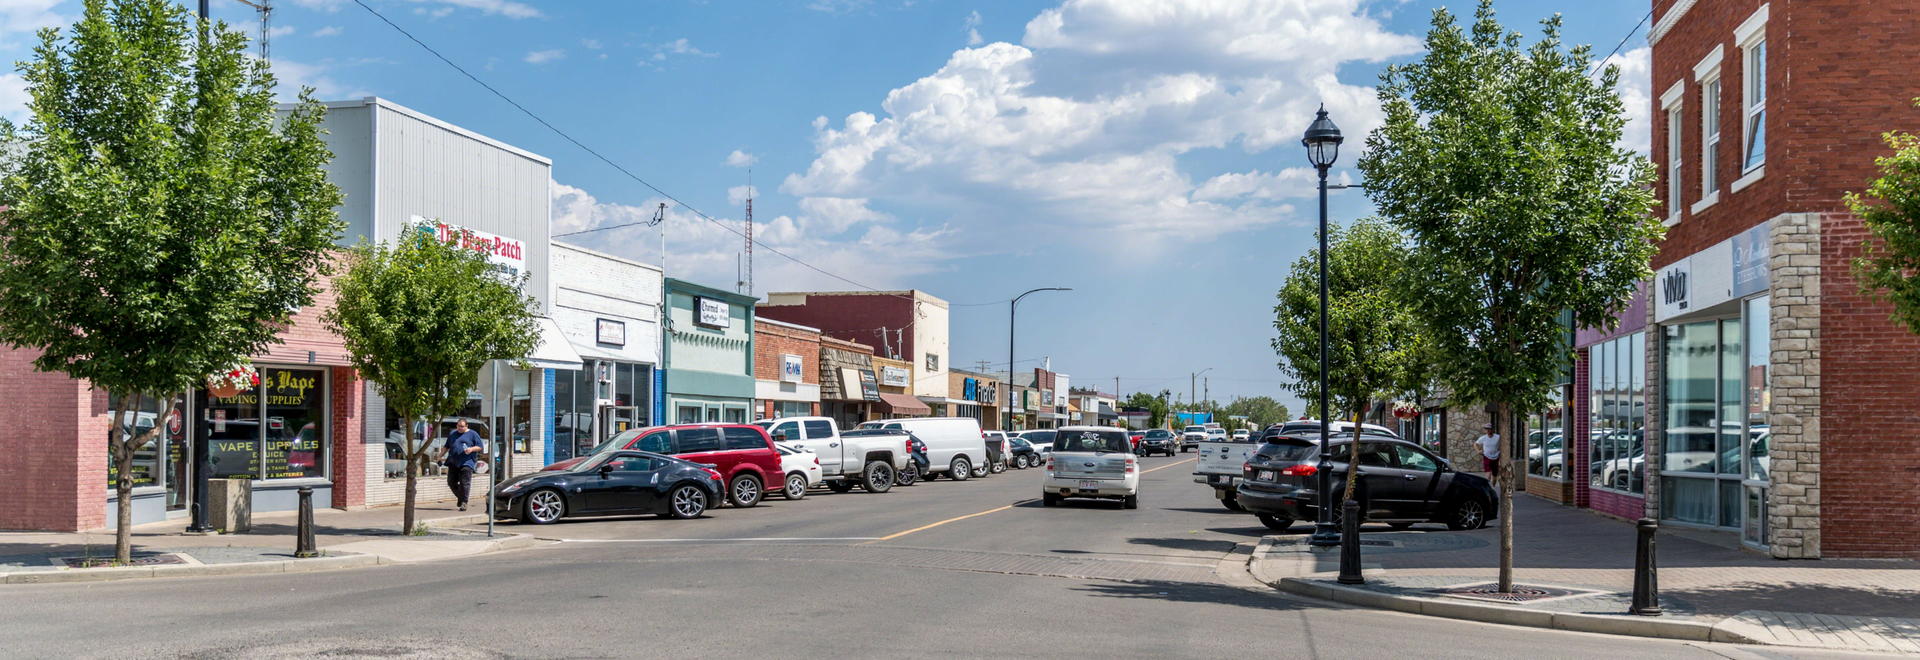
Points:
[[1007, 427], [1323, 148]]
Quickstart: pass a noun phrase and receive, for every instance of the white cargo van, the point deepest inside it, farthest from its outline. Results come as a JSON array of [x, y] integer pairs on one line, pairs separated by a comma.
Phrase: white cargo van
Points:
[[955, 445]]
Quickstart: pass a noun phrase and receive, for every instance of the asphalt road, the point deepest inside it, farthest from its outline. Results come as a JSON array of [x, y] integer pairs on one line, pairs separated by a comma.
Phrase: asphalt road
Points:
[[973, 569]]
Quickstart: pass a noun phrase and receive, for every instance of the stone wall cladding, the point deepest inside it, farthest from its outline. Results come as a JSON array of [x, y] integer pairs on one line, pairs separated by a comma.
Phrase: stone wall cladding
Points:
[[1867, 371], [1793, 512]]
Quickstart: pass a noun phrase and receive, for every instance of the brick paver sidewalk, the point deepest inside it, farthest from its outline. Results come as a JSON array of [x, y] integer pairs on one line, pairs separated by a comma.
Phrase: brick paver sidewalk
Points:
[[1703, 577]]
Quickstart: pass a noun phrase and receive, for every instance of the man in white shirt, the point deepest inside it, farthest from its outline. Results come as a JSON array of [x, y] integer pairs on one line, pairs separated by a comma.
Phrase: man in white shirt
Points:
[[1490, 452]]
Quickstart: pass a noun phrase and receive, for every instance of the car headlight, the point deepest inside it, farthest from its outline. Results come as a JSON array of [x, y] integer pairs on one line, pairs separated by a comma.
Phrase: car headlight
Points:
[[515, 486]]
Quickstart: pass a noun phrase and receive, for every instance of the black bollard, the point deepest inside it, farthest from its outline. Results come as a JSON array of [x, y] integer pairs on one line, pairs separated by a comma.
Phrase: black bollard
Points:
[[1646, 573], [1350, 543], [305, 546]]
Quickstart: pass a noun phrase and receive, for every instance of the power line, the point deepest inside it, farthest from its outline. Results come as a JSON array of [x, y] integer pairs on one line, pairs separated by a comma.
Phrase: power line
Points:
[[604, 159], [1616, 48]]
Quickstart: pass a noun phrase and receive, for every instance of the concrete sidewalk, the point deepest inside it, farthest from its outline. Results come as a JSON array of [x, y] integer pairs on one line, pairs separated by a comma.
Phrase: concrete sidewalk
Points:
[[345, 539], [1578, 570]]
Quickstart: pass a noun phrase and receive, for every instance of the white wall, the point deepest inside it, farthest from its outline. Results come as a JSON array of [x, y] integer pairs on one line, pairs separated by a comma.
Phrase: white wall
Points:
[[589, 286]]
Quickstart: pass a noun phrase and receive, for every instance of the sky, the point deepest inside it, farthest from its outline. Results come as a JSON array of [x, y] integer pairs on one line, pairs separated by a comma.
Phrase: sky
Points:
[[1144, 153]]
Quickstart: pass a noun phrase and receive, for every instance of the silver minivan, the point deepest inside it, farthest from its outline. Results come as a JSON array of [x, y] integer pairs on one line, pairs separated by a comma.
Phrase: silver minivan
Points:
[[955, 445]]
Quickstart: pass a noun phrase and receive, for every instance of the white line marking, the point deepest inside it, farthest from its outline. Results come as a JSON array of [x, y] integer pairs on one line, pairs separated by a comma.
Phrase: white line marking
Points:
[[721, 540]]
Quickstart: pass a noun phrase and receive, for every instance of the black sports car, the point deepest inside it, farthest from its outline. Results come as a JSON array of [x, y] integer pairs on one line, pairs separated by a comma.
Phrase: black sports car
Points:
[[613, 483]]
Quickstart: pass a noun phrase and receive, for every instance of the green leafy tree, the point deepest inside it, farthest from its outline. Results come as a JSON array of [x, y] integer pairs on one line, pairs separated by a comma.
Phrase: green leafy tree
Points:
[[1889, 270], [160, 224], [1500, 164], [420, 320], [1260, 411], [1156, 406], [1370, 327]]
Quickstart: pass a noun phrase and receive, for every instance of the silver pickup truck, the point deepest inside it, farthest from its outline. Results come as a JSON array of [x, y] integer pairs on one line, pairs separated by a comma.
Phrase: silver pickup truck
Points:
[[1222, 457]]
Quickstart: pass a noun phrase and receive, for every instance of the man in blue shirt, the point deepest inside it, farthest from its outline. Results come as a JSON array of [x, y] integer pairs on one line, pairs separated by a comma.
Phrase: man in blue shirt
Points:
[[463, 449]]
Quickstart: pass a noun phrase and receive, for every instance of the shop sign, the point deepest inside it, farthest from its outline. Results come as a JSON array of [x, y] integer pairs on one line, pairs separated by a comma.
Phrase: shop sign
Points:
[[790, 369], [989, 393], [506, 254], [713, 313], [1750, 263], [895, 377], [970, 389], [1673, 285], [1046, 397], [610, 332], [869, 385]]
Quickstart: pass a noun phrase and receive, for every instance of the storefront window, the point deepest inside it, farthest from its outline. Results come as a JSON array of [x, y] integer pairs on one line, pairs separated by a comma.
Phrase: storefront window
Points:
[[1717, 435], [576, 416], [1759, 387], [278, 430], [1546, 440], [1693, 370], [233, 434], [147, 465], [1616, 434]]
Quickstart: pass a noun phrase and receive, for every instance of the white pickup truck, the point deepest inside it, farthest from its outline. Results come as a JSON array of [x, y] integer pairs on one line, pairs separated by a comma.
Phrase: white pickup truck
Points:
[[870, 462], [1222, 458]]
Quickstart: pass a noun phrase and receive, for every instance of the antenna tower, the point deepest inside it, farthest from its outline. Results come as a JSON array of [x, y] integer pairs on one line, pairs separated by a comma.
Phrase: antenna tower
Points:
[[746, 283]]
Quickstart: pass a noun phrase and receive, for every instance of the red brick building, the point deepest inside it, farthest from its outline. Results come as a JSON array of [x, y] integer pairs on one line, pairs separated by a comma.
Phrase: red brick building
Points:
[[1761, 394], [786, 369]]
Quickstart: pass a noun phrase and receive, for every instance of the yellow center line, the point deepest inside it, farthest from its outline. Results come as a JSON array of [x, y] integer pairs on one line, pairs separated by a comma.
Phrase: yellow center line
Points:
[[1163, 467], [943, 522]]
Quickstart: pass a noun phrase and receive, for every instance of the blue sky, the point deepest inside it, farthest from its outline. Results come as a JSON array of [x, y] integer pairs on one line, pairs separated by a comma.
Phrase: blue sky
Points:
[[1143, 152]]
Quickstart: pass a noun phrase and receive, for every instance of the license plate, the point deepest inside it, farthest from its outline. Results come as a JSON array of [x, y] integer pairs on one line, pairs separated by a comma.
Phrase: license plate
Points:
[[1089, 485], [1266, 475]]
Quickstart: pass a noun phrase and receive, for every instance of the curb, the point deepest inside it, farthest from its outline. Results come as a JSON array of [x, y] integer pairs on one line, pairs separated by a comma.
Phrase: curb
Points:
[[1489, 613], [510, 542]]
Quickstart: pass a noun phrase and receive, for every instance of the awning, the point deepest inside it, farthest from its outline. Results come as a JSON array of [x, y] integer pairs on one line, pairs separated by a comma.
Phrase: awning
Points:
[[554, 352], [901, 404], [1073, 408]]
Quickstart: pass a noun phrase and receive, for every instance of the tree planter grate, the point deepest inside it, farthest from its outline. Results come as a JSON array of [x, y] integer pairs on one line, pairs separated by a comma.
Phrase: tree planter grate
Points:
[[1522, 593], [139, 559]]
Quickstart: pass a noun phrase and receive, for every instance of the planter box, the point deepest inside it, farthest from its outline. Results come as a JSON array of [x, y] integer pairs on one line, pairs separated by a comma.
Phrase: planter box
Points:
[[230, 505]]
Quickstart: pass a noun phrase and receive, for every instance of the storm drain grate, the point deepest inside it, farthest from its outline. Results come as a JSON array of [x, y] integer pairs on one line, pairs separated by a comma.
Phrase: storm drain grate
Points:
[[1522, 593], [1378, 543], [138, 559]]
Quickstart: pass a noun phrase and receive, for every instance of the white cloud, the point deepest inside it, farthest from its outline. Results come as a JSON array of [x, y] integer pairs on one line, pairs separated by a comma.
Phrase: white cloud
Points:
[[591, 43], [741, 159], [738, 195], [1636, 96], [26, 16], [13, 97], [973, 35], [682, 47], [506, 8], [327, 31], [281, 31], [1083, 127], [294, 75], [545, 56], [840, 236], [837, 6]]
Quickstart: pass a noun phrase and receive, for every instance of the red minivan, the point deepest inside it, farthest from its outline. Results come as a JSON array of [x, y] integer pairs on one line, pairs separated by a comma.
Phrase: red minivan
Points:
[[742, 454]]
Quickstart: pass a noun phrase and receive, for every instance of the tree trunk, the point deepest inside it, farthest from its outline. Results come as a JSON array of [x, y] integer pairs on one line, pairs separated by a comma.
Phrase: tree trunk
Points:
[[122, 456], [1353, 461], [413, 469], [1504, 412]]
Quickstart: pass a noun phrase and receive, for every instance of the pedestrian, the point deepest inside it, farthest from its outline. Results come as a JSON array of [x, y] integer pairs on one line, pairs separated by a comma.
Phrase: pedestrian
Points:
[[1490, 451], [459, 457]]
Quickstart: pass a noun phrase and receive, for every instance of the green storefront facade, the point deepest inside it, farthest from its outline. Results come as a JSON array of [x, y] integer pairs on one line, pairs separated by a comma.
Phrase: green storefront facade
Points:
[[708, 354]]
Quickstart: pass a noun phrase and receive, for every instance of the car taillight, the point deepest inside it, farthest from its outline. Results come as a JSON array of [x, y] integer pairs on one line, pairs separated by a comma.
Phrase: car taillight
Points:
[[1049, 463], [1301, 470], [716, 473], [1246, 468], [1129, 466], [816, 459]]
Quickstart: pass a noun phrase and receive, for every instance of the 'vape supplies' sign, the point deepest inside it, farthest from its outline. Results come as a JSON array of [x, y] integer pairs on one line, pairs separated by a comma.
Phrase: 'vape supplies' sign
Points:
[[506, 254]]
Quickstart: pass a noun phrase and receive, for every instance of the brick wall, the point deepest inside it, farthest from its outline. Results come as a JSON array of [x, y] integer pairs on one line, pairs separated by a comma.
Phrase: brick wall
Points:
[[771, 341], [49, 478], [849, 317], [349, 438], [1868, 373]]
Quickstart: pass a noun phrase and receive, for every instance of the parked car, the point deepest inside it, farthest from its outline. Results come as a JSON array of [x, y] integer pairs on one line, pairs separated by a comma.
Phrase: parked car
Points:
[[1400, 483], [1336, 426], [608, 484], [1092, 462], [919, 465], [870, 462], [1024, 455], [742, 453], [999, 451], [1041, 439], [1158, 441], [1191, 437], [802, 468], [1242, 435], [955, 445]]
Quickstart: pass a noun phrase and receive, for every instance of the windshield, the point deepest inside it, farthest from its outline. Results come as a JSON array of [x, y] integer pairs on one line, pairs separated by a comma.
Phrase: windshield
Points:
[[1093, 441], [1196, 429], [1159, 433]]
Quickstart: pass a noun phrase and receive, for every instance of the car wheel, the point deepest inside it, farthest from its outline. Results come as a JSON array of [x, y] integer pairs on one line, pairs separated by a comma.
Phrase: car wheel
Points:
[[999, 467], [1400, 525], [1020, 462], [1470, 513], [745, 491], [1232, 502], [1132, 502], [1273, 522], [544, 506], [908, 476], [796, 486], [1049, 499], [959, 469], [877, 478], [687, 501], [840, 486]]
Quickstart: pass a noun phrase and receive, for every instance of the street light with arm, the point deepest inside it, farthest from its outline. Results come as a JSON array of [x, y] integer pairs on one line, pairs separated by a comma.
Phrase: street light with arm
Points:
[[1323, 148], [1191, 390], [1007, 426]]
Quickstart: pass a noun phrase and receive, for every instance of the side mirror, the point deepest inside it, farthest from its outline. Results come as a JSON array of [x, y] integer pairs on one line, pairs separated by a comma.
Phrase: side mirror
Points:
[[606, 471]]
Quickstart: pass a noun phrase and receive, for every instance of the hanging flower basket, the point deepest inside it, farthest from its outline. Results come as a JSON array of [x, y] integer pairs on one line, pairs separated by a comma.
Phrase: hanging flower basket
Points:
[[231, 382], [1553, 411], [1404, 410]]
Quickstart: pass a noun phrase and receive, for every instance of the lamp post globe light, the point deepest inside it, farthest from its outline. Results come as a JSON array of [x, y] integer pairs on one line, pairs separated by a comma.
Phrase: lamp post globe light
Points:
[[1007, 426], [1323, 148]]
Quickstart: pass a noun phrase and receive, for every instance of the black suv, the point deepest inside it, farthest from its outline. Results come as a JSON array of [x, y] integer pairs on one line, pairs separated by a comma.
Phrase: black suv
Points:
[[1158, 441], [1400, 483]]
